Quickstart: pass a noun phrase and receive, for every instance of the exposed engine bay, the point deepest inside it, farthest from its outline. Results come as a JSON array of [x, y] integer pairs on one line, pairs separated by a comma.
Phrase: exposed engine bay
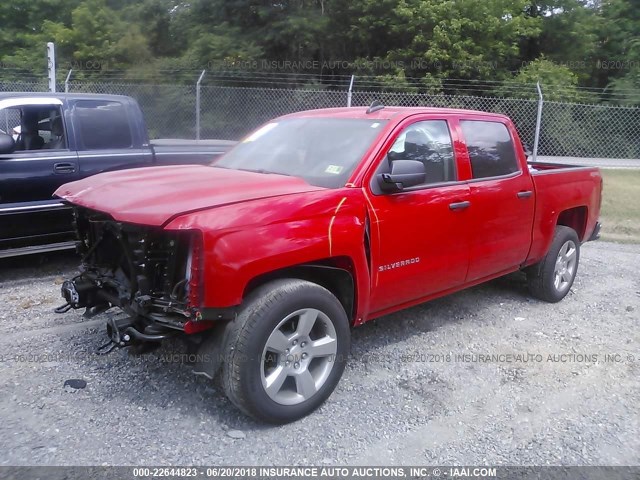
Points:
[[151, 274]]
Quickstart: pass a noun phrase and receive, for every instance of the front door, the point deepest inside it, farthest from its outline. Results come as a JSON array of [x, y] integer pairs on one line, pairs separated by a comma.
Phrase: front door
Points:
[[41, 162], [420, 240]]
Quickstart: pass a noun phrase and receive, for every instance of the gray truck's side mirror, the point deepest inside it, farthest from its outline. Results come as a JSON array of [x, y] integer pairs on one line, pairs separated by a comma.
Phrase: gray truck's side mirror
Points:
[[527, 150], [404, 174], [7, 144]]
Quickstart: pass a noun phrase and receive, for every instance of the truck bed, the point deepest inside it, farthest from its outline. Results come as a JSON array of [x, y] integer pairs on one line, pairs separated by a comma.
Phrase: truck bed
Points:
[[562, 188], [543, 167], [173, 150]]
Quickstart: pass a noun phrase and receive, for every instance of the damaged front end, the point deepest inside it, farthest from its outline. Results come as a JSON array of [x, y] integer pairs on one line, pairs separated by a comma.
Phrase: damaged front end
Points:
[[153, 275]]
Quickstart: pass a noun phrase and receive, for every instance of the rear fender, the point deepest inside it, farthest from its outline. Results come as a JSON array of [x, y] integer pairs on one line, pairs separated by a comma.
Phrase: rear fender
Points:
[[575, 218], [568, 197]]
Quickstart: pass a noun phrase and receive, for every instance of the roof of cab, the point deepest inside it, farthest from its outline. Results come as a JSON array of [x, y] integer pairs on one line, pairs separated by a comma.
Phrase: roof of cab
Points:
[[386, 113]]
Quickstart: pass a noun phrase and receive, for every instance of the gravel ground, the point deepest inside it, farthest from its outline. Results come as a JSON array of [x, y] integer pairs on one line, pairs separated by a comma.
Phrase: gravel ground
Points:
[[408, 395]]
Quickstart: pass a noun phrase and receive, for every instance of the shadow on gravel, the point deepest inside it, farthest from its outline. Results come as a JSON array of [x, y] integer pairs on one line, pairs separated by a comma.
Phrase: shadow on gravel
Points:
[[162, 380], [38, 265], [465, 306]]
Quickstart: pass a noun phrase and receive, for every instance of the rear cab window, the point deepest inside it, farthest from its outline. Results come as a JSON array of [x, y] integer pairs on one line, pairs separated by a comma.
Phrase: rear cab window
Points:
[[102, 124], [491, 149]]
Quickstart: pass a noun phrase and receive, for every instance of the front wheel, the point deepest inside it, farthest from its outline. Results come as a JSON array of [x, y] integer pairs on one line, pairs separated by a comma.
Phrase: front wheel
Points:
[[551, 279], [286, 351]]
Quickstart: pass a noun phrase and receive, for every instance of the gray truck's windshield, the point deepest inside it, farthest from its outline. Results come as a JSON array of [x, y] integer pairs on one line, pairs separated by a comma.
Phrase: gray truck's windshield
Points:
[[322, 151]]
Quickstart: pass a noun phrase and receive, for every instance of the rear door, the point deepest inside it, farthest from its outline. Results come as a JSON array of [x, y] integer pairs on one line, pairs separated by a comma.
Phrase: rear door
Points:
[[107, 137], [420, 235], [502, 200]]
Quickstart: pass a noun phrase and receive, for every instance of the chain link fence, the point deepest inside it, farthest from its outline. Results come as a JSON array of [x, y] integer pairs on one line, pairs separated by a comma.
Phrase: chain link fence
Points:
[[169, 110], [568, 129], [23, 86]]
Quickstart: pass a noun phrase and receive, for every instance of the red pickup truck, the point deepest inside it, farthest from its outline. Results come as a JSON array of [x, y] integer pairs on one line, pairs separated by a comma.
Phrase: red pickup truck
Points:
[[317, 222]]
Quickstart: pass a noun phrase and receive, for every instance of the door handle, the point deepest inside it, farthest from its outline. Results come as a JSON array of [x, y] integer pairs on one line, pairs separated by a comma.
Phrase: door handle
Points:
[[64, 167], [525, 194], [459, 205]]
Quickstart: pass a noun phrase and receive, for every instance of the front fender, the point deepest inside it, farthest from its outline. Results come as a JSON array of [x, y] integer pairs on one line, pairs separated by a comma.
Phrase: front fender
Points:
[[289, 233]]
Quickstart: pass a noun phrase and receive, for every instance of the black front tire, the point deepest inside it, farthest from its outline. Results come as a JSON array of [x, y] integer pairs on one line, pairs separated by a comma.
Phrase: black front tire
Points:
[[261, 317], [551, 278]]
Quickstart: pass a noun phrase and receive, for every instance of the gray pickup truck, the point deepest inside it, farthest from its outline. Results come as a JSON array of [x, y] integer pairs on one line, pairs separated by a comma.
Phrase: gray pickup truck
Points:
[[49, 139]]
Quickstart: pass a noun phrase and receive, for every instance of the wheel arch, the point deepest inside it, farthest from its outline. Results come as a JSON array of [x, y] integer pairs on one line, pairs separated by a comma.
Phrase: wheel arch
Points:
[[575, 218], [334, 274]]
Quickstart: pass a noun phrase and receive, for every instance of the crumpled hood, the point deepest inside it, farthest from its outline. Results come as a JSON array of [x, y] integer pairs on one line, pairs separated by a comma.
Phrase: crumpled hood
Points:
[[155, 195]]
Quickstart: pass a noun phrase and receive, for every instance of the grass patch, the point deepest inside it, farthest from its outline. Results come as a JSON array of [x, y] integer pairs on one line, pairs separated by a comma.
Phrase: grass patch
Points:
[[620, 214]]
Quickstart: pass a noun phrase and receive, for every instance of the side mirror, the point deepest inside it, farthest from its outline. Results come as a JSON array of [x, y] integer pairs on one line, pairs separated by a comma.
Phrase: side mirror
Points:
[[527, 150], [7, 144], [404, 174]]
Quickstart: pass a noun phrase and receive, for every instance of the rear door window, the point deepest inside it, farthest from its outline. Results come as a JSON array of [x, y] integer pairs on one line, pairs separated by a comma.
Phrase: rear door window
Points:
[[490, 148], [103, 125]]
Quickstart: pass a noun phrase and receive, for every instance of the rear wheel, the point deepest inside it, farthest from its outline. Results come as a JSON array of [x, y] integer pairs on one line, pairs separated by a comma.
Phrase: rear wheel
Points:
[[286, 351], [551, 279]]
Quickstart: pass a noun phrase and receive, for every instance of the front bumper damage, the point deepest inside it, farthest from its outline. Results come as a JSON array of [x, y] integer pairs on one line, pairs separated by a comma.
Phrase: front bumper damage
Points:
[[122, 331], [151, 274]]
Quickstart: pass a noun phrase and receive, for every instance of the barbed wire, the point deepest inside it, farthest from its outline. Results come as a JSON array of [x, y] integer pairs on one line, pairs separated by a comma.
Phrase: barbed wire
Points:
[[252, 74], [341, 81], [236, 77]]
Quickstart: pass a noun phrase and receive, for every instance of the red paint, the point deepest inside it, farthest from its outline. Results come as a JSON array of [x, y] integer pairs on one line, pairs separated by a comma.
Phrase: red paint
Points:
[[253, 224], [196, 272], [153, 195], [191, 327]]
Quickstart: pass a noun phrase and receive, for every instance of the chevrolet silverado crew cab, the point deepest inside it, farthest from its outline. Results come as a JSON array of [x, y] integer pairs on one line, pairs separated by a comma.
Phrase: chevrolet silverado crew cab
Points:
[[49, 139], [317, 222]]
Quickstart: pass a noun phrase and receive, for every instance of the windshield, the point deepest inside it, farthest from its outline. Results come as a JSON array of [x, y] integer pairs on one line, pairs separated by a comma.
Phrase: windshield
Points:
[[322, 151]]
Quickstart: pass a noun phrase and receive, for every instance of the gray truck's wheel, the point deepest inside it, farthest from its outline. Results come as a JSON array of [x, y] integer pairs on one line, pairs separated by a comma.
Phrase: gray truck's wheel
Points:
[[551, 279], [286, 351]]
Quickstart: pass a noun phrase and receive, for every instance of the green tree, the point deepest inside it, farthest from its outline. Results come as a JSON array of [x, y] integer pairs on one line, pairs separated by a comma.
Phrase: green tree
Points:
[[98, 34], [245, 30], [626, 89], [155, 19], [619, 61], [91, 35], [396, 41], [21, 23], [568, 34], [558, 82], [461, 39]]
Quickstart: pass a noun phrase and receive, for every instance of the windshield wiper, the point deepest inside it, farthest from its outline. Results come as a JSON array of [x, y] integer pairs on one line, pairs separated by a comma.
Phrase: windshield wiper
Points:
[[263, 171], [252, 170]]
